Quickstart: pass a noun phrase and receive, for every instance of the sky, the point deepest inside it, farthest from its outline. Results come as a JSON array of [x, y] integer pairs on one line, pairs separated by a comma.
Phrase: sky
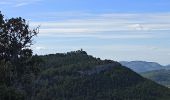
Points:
[[121, 30]]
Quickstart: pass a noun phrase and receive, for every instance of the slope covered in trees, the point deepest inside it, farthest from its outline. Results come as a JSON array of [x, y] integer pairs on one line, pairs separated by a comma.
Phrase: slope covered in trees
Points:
[[159, 76], [76, 75]]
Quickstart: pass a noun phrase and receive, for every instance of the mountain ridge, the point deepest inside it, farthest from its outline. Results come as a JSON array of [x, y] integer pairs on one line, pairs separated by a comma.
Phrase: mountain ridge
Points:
[[142, 66], [161, 76], [79, 76], [150, 70]]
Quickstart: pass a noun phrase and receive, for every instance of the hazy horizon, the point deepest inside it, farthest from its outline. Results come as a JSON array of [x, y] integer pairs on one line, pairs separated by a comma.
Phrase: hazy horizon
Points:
[[121, 30]]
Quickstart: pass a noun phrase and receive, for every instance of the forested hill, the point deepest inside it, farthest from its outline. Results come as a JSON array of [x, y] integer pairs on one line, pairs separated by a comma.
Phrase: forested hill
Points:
[[74, 58], [78, 76], [160, 76]]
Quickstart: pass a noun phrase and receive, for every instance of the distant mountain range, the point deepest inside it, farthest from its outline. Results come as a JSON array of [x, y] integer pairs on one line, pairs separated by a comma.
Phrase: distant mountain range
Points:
[[150, 70], [143, 66], [160, 76], [167, 67]]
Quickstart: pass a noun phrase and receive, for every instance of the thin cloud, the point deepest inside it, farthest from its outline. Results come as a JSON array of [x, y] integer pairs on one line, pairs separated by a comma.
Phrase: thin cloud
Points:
[[40, 48], [100, 36], [18, 3], [21, 4], [99, 25], [4, 3]]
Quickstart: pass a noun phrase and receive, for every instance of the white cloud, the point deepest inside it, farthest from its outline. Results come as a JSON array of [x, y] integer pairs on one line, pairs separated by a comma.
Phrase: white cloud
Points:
[[4, 3], [21, 4], [39, 48], [119, 25], [136, 27], [18, 3], [100, 36]]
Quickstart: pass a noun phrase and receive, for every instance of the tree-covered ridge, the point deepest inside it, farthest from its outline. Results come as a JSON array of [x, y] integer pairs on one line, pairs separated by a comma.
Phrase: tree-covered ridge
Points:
[[159, 76], [89, 78], [67, 81], [77, 58]]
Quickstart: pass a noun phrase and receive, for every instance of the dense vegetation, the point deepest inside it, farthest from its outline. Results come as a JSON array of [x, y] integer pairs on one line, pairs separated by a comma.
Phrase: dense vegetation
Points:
[[18, 68], [64, 76], [159, 76], [76, 75]]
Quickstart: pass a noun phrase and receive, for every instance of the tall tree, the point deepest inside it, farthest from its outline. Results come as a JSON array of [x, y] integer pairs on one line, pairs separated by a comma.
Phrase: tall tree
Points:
[[15, 39]]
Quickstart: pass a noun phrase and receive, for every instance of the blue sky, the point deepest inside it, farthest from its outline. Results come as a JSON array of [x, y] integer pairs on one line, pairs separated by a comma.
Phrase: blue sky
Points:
[[109, 29]]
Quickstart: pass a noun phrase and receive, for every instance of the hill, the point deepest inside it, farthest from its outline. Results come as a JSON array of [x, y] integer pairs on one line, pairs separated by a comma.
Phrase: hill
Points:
[[150, 70], [167, 67], [142, 66], [159, 76], [78, 76]]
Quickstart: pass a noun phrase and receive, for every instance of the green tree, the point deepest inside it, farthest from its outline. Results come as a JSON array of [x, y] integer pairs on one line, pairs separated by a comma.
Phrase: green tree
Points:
[[17, 63], [15, 39]]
